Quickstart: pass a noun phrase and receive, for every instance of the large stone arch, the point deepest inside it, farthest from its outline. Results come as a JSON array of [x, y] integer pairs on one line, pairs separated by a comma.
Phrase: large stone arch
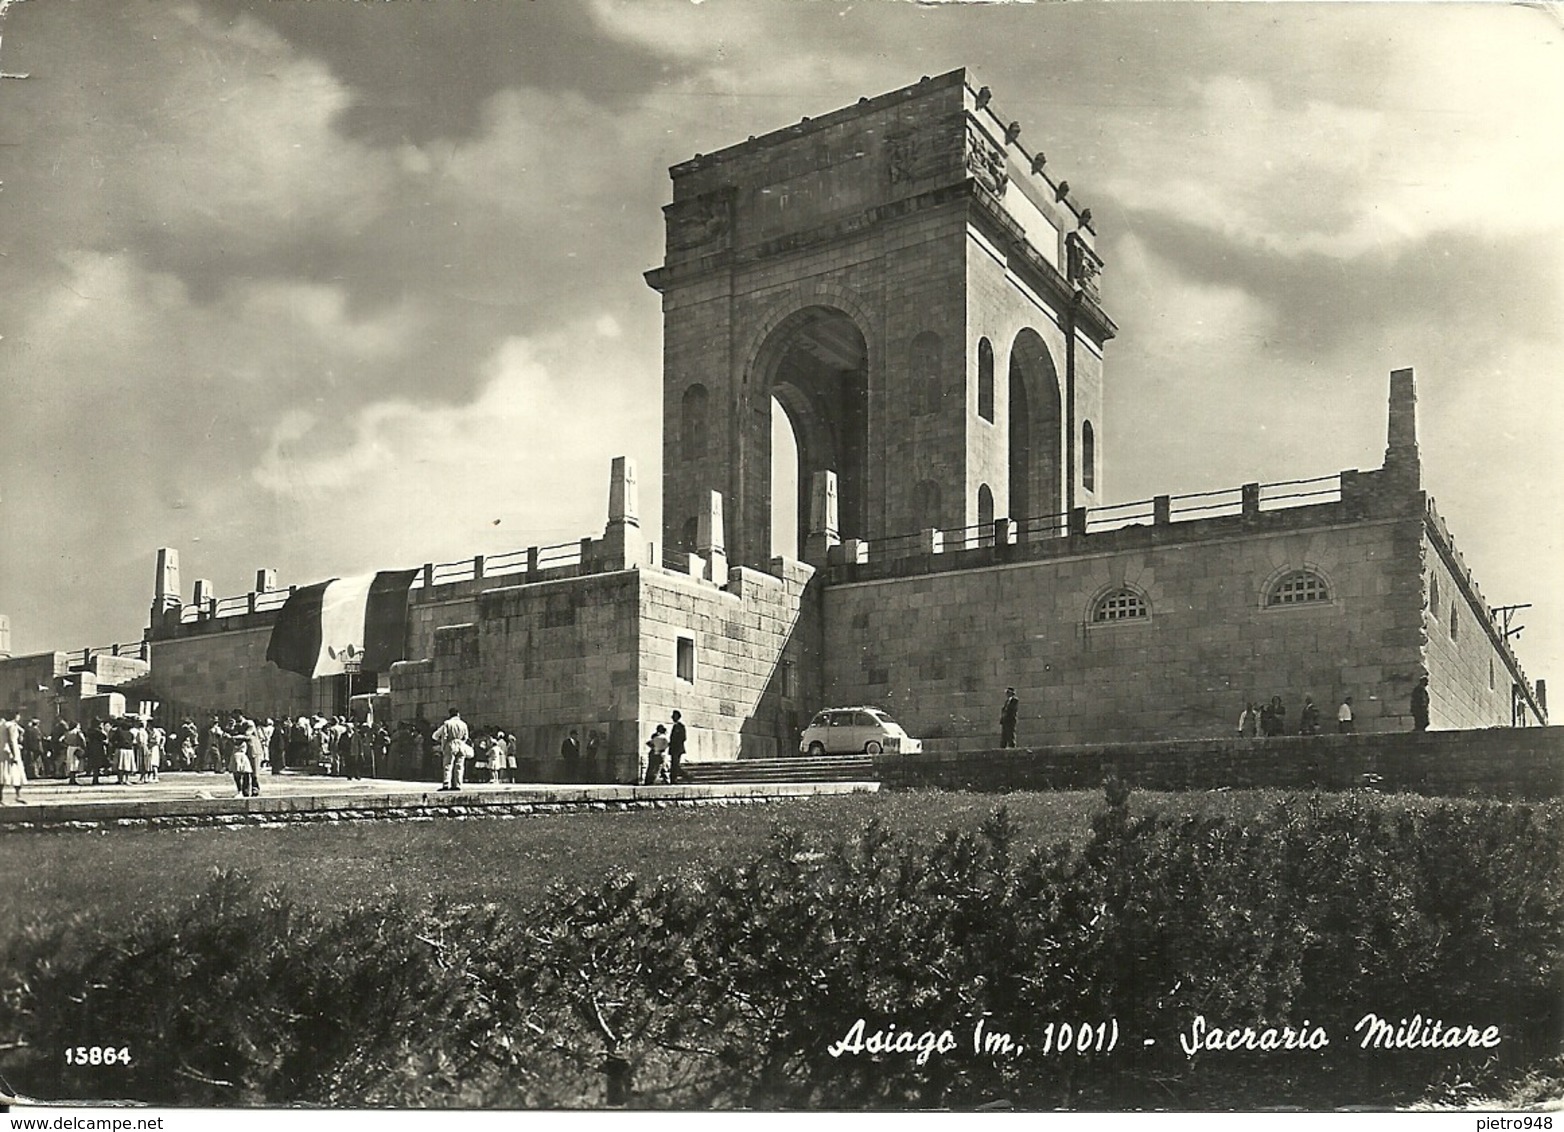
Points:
[[1036, 432], [814, 359]]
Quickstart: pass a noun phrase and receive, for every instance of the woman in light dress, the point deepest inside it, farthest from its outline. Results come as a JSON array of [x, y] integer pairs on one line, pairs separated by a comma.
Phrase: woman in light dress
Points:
[[239, 764], [501, 760], [157, 739], [12, 771]]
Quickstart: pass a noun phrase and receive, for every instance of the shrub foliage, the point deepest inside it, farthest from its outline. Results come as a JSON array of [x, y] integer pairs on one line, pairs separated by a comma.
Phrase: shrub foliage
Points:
[[730, 988]]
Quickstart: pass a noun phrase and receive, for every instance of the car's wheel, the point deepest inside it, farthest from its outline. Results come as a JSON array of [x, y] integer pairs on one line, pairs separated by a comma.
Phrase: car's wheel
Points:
[[816, 749], [872, 747]]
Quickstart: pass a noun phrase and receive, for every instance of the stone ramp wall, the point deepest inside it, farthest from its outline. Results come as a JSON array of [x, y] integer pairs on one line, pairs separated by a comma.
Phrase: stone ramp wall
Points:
[[1503, 762]]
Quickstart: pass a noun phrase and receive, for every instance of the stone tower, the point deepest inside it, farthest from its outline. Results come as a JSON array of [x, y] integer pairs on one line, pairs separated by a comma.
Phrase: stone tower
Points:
[[917, 294]]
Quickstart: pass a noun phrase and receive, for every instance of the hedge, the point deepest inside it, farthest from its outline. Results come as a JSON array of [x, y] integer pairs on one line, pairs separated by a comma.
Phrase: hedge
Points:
[[731, 989]]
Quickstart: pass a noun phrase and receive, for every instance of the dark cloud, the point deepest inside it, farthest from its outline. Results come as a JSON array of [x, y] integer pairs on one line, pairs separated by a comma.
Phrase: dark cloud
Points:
[[421, 71], [1320, 299]]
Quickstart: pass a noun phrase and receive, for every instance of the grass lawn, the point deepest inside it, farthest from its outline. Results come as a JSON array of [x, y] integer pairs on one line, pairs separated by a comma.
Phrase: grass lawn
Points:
[[121, 872]]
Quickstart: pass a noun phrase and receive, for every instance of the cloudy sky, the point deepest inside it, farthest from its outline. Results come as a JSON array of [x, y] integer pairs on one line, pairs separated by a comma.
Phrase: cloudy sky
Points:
[[338, 286]]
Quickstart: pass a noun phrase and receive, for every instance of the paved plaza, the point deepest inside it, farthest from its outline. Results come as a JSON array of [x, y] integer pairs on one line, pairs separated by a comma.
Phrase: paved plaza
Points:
[[198, 798]]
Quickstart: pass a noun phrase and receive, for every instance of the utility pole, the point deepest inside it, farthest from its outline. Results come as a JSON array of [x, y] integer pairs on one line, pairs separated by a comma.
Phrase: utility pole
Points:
[[1504, 613]]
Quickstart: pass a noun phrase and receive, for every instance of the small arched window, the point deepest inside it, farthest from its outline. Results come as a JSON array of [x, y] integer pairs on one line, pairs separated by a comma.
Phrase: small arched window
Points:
[[923, 366], [1088, 457], [1122, 604], [1433, 595], [985, 502], [692, 423], [926, 504], [985, 380], [1454, 624], [1301, 587]]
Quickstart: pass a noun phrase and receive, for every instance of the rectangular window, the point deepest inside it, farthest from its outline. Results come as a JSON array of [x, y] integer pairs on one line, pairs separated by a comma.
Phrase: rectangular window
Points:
[[684, 659]]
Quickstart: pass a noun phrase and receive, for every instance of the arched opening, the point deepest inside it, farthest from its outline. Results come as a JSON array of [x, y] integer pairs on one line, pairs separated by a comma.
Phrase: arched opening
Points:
[[985, 389], [1088, 456], [985, 504], [1036, 436], [815, 368], [789, 497], [1020, 446]]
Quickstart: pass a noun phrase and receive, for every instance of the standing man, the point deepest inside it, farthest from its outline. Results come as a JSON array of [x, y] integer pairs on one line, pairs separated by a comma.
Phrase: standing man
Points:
[[570, 749], [1273, 718], [1420, 705], [1309, 718], [452, 736], [379, 752], [1345, 724], [676, 741], [239, 762], [1007, 719], [32, 749]]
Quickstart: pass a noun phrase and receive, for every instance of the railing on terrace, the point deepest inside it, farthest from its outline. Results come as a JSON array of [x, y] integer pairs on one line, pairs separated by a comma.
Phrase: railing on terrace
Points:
[[1158, 511], [134, 650], [262, 601], [1272, 498], [529, 561]]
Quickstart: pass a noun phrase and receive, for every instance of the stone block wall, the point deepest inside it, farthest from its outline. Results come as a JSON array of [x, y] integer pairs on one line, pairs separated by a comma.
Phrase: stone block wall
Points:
[[756, 649], [918, 434], [111, 670], [602, 653], [1000, 307], [1511, 763], [537, 661], [20, 677], [1470, 676], [218, 670], [1209, 644]]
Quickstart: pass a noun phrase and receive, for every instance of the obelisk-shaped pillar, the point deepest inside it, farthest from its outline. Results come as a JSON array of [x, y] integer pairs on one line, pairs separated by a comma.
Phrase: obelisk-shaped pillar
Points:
[[824, 518]]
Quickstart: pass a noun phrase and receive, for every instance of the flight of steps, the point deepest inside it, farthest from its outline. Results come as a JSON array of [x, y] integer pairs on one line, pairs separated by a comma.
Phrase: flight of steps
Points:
[[830, 768]]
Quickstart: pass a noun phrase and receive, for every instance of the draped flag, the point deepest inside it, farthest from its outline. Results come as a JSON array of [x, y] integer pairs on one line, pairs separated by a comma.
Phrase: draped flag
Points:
[[322, 624]]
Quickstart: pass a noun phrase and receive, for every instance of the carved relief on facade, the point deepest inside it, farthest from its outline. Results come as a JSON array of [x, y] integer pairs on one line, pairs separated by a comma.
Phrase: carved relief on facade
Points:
[[701, 222], [1085, 266], [986, 161], [909, 157]]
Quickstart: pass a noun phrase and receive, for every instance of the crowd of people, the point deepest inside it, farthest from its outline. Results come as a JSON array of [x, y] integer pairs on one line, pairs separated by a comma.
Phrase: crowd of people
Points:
[[494, 752], [126, 748], [135, 749], [1271, 719]]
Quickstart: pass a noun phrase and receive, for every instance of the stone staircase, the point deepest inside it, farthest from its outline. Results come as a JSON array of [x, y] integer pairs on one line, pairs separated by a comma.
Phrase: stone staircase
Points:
[[829, 768]]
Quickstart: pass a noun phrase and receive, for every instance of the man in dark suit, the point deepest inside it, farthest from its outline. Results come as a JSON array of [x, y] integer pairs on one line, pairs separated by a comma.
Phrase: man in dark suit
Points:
[[1007, 719], [676, 742]]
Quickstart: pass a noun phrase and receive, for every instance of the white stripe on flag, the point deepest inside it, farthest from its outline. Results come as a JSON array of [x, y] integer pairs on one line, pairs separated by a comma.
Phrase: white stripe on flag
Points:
[[342, 621]]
